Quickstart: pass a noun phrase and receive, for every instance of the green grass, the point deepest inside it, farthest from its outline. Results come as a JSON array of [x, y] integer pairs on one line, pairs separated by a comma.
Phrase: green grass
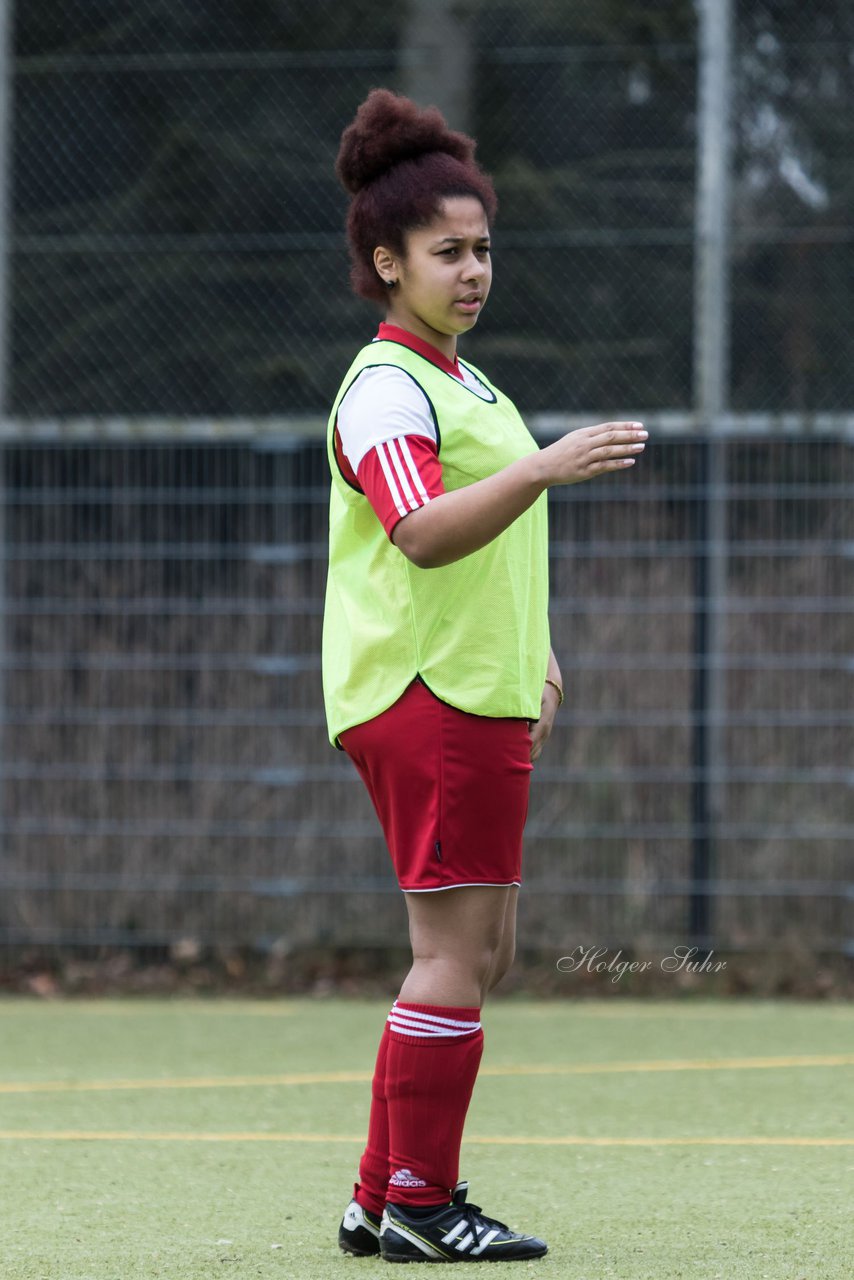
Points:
[[208, 1170]]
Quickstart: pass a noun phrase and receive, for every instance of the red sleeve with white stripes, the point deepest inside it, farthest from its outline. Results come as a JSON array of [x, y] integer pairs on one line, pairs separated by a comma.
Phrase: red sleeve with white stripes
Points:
[[399, 476]]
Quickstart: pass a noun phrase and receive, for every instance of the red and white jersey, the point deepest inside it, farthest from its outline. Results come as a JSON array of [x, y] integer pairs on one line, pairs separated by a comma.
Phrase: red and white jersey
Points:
[[385, 437]]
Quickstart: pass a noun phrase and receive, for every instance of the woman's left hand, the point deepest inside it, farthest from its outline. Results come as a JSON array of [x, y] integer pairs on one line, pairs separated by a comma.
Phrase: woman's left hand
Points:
[[540, 730]]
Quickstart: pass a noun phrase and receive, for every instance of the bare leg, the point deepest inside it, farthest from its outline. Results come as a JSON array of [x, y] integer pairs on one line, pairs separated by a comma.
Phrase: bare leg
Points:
[[456, 935], [506, 950]]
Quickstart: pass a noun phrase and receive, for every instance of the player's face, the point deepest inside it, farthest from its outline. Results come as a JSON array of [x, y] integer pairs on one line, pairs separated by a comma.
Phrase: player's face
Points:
[[444, 280]]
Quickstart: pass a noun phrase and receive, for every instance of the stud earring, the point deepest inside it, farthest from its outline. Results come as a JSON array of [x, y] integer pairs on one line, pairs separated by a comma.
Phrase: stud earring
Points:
[[389, 284]]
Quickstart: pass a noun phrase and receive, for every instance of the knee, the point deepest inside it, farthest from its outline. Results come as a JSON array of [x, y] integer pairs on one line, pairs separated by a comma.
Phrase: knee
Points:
[[490, 962], [508, 955], [502, 963], [472, 963]]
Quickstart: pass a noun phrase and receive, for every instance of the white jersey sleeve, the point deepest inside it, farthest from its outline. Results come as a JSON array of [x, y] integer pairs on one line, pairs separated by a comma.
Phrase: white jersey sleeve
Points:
[[382, 404]]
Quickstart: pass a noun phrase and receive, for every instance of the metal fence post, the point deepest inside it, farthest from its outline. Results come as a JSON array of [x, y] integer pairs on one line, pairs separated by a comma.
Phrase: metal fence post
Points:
[[437, 59], [6, 69], [711, 386], [6, 73]]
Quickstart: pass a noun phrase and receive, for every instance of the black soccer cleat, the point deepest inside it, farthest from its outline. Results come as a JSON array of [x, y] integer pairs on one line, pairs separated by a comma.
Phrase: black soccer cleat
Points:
[[457, 1232], [359, 1232]]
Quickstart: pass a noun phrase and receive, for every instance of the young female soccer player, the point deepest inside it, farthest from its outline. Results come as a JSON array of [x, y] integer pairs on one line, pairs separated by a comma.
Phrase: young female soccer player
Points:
[[439, 680]]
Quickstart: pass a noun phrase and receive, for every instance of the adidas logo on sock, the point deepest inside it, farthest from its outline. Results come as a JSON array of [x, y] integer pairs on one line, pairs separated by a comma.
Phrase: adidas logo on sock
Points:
[[405, 1178]]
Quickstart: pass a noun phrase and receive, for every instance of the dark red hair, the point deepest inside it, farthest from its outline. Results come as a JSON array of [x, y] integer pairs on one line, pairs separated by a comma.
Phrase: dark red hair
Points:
[[399, 162]]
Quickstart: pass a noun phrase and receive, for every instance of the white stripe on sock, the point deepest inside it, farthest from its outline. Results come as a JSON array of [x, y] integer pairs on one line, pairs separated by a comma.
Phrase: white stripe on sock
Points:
[[401, 1011], [413, 1029], [405, 1022], [423, 1035], [429, 1029]]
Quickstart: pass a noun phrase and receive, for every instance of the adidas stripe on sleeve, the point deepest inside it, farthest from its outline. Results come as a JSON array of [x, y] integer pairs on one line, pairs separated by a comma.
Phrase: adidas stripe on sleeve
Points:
[[388, 437], [399, 476]]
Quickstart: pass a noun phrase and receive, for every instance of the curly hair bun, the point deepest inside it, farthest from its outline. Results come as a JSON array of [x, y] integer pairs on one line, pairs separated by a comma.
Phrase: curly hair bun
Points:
[[388, 129]]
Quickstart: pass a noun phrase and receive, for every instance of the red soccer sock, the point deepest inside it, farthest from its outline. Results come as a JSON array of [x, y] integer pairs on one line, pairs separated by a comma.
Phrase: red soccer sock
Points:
[[433, 1059], [370, 1190]]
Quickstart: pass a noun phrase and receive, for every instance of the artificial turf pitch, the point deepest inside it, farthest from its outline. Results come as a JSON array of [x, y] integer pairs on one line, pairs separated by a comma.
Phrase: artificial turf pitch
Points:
[[643, 1141]]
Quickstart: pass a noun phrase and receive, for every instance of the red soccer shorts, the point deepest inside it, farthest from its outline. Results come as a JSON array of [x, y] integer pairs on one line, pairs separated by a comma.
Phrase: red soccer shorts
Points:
[[450, 790]]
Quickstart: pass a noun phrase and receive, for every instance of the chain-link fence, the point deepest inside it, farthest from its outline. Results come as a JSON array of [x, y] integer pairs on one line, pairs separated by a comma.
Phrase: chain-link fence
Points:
[[176, 242], [167, 770], [174, 271]]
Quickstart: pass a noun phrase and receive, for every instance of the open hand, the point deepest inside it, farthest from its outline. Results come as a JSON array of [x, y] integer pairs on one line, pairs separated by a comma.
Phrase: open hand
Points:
[[593, 451]]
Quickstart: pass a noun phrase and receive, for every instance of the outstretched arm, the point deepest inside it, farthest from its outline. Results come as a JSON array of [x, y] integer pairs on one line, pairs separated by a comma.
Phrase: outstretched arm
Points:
[[455, 524]]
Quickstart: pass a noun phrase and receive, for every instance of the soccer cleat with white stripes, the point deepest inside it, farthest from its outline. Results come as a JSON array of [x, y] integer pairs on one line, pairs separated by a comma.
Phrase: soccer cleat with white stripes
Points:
[[457, 1232], [359, 1232]]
